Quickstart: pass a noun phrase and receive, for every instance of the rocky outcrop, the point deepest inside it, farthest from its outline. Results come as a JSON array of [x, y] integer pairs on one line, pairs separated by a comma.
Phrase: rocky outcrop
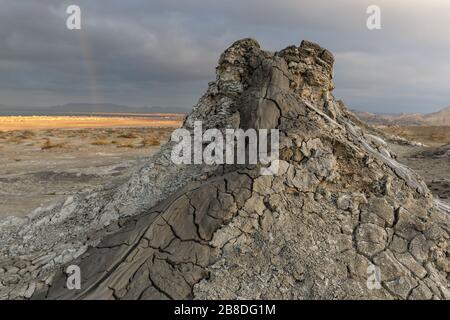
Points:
[[338, 207]]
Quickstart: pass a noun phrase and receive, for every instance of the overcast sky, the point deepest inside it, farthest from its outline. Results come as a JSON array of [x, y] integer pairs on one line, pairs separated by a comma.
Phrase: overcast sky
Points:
[[163, 52]]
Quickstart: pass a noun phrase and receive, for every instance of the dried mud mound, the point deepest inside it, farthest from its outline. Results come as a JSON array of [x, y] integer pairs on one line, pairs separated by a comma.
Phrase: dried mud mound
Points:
[[338, 205]]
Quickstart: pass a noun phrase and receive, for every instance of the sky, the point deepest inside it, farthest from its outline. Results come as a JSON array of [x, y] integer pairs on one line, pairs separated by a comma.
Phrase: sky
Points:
[[164, 52]]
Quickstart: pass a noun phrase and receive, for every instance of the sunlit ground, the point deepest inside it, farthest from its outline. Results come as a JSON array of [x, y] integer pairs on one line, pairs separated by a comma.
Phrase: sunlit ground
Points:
[[44, 159], [10, 123], [433, 136]]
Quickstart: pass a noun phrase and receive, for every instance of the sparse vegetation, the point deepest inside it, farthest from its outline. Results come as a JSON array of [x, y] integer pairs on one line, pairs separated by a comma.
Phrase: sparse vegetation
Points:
[[128, 135], [48, 144], [429, 135], [126, 144], [86, 139], [73, 122], [150, 142], [26, 151], [100, 142], [17, 136], [15, 139], [27, 134]]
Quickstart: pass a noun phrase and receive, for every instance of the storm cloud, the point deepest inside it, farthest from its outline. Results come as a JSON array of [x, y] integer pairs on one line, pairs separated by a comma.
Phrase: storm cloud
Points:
[[163, 52]]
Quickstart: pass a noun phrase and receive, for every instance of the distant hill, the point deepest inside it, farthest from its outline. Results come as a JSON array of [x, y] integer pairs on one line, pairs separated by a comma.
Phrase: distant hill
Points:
[[87, 108], [439, 118]]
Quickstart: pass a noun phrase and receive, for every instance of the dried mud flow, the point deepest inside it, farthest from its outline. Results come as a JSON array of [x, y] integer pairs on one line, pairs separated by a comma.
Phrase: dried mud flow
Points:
[[338, 204]]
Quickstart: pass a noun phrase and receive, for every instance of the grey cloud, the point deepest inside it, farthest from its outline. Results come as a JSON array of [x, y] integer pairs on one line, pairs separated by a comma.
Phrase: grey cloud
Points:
[[163, 52]]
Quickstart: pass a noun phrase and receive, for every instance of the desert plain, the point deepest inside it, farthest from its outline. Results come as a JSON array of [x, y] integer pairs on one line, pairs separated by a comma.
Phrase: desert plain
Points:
[[46, 158]]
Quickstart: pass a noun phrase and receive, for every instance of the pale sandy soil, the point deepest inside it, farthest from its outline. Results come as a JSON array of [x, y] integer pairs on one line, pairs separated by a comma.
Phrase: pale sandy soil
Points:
[[432, 165], [71, 122], [435, 170], [432, 136], [40, 166]]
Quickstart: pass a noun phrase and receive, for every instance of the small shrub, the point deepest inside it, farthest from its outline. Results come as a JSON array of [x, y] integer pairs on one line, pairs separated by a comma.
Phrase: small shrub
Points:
[[125, 145], [48, 144], [27, 134], [100, 142], [150, 141], [128, 135], [15, 139]]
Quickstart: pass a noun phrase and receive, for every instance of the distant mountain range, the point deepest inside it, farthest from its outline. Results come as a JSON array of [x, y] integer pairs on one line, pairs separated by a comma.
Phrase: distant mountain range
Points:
[[439, 118], [87, 108]]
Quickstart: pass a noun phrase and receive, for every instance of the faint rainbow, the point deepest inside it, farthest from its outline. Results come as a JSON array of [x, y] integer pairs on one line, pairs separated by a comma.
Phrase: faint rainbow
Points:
[[89, 62]]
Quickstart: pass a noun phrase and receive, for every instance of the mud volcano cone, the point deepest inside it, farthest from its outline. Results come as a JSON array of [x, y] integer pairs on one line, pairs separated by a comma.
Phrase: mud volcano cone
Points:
[[340, 219]]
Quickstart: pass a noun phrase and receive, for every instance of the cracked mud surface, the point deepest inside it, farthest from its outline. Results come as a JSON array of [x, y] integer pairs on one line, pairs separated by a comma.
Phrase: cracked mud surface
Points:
[[339, 203]]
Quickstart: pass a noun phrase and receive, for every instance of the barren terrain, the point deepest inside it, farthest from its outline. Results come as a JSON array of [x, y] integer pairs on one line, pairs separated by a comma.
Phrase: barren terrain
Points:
[[433, 136], [432, 167], [48, 158], [70, 122], [42, 165]]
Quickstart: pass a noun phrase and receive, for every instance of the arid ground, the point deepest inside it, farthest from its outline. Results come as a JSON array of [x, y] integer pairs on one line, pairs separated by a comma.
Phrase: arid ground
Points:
[[433, 136], [72, 122], [431, 161], [47, 158]]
